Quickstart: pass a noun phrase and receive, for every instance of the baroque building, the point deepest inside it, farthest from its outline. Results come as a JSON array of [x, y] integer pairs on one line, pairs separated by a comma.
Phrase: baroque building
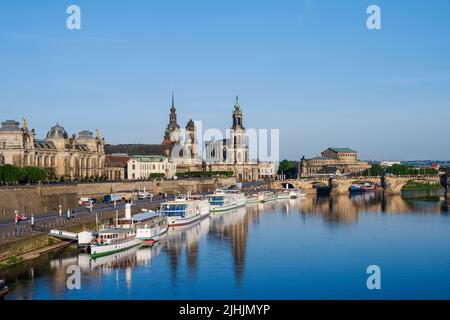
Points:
[[69, 157], [183, 149], [232, 154], [336, 161]]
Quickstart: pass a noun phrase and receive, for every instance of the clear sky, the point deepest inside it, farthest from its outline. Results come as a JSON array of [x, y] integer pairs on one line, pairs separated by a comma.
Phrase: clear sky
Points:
[[310, 68]]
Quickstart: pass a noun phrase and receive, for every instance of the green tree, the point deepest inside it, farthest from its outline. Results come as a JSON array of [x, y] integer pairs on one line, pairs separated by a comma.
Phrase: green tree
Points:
[[9, 173], [288, 168]]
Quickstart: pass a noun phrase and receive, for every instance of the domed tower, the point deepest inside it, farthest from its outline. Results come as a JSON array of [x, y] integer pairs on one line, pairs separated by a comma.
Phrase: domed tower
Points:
[[237, 149], [58, 136], [172, 133]]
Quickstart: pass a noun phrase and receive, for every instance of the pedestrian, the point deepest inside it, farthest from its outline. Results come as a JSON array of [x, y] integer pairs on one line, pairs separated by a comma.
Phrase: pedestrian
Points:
[[73, 214], [68, 214], [32, 221]]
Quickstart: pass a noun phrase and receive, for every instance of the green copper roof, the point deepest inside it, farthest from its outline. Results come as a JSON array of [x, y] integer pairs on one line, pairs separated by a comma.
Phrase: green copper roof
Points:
[[143, 158], [341, 150]]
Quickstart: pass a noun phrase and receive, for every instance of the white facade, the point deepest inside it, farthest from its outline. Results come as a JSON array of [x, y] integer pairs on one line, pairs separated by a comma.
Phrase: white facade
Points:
[[141, 167]]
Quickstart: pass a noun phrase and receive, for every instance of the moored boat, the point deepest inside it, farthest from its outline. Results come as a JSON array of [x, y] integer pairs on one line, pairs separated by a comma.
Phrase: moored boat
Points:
[[3, 289], [284, 194], [361, 187], [266, 196], [185, 210], [113, 240], [252, 198], [297, 193], [225, 200], [150, 226]]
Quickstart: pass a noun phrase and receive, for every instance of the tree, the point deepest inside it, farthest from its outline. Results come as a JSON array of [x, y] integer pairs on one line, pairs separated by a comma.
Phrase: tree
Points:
[[288, 168], [9, 173]]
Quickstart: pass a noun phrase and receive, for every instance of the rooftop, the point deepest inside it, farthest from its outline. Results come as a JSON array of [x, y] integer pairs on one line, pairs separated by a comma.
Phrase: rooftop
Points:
[[342, 150]]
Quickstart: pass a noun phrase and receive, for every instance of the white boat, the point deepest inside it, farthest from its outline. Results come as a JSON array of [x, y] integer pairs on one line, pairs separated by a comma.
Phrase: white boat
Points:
[[284, 194], [150, 226], [224, 200], [252, 198], [185, 210], [113, 240], [266, 196], [297, 193]]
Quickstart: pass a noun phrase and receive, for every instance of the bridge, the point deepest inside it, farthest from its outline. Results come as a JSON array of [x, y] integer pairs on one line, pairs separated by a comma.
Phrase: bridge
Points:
[[340, 185]]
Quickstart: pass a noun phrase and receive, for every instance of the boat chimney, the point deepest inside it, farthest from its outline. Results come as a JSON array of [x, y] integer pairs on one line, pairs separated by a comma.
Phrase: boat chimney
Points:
[[128, 210]]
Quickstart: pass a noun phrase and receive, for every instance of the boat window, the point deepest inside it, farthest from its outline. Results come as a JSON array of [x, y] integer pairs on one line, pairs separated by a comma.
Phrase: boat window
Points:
[[174, 209]]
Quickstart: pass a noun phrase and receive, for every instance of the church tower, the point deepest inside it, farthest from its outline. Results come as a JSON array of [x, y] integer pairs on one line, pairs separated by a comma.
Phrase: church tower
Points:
[[190, 146], [172, 134], [237, 149]]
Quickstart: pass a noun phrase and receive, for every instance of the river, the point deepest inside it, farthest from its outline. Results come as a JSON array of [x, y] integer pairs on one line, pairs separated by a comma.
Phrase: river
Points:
[[311, 248]]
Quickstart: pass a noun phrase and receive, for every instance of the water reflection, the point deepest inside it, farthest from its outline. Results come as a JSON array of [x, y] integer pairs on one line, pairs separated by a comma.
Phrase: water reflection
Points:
[[180, 251]]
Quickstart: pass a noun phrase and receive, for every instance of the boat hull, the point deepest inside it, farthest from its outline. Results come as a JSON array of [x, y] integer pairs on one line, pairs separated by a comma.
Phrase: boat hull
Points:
[[227, 207], [180, 221], [151, 234], [104, 250]]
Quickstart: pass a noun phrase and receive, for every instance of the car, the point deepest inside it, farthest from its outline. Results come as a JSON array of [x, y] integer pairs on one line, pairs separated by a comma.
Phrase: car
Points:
[[20, 217]]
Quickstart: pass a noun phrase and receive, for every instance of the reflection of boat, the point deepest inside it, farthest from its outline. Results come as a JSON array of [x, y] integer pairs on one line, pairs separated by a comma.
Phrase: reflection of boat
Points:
[[223, 200], [185, 210], [113, 240], [3, 289], [130, 257], [266, 196]]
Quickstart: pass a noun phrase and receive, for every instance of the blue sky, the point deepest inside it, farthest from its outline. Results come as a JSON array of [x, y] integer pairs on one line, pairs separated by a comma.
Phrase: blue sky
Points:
[[310, 68]]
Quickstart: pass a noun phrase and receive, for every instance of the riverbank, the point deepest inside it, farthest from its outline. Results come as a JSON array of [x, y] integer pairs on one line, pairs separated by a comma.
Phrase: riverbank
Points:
[[32, 245], [42, 199]]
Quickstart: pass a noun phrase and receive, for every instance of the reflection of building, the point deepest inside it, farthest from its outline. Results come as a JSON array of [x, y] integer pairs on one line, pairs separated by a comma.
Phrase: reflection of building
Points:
[[333, 161], [142, 167], [69, 157]]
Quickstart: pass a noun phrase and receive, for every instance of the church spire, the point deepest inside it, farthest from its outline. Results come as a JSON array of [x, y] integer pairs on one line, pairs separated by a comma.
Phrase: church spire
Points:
[[173, 102], [237, 115], [237, 105]]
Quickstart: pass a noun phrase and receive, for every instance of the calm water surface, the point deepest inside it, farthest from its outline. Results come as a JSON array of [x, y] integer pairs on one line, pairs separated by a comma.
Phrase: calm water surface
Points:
[[313, 248]]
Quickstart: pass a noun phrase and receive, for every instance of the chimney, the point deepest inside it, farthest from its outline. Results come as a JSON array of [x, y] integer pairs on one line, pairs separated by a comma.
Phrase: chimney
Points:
[[128, 210]]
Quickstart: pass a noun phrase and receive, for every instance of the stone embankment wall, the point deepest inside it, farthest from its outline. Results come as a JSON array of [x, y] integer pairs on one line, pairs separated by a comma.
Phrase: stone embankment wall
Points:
[[46, 198]]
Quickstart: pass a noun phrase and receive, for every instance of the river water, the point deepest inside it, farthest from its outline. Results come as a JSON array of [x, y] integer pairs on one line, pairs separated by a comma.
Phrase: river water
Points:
[[312, 248]]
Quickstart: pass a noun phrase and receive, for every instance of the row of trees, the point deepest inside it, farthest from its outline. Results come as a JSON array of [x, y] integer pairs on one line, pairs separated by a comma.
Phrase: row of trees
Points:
[[10, 174], [202, 174], [397, 169]]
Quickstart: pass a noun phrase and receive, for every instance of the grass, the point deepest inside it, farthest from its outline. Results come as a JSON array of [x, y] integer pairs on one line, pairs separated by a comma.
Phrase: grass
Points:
[[425, 185]]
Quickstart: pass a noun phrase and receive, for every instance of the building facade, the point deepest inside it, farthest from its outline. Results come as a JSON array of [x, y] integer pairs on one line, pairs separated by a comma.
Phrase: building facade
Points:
[[69, 157], [116, 166], [232, 154], [333, 161], [142, 167]]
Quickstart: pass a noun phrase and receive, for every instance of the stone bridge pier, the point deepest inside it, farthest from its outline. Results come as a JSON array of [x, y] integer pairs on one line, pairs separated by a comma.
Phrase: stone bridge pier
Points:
[[341, 185], [394, 184]]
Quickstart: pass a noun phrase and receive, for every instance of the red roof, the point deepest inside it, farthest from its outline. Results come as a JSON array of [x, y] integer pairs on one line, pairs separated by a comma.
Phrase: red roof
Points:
[[166, 142]]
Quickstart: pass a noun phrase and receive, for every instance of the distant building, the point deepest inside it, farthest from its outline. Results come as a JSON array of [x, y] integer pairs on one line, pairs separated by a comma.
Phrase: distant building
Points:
[[390, 163], [70, 157], [116, 166], [141, 167], [336, 161]]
